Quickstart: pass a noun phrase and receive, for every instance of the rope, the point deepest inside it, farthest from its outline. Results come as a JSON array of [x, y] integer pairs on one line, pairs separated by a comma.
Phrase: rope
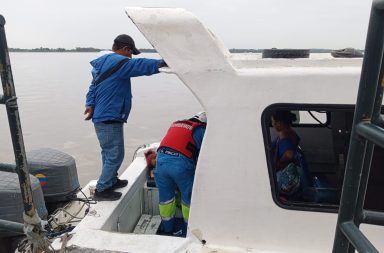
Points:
[[36, 239], [140, 147], [38, 232]]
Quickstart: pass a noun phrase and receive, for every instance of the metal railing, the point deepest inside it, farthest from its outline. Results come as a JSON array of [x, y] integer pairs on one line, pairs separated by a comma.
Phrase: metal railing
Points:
[[367, 132], [33, 226]]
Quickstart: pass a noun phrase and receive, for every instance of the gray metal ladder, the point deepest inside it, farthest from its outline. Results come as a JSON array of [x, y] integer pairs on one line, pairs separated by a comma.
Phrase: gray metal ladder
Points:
[[367, 132]]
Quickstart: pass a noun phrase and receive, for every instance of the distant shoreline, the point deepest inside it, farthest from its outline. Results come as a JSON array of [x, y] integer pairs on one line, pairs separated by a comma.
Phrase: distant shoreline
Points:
[[64, 50], [144, 50]]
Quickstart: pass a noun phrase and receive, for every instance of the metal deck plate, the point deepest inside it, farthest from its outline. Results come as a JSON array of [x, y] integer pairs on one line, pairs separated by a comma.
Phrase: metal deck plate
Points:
[[147, 224]]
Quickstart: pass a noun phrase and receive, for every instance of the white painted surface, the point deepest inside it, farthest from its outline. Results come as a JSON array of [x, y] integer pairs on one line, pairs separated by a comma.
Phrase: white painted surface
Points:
[[232, 207]]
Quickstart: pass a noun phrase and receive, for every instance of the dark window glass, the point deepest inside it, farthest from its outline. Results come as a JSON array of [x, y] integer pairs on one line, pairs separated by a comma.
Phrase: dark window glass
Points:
[[312, 178]]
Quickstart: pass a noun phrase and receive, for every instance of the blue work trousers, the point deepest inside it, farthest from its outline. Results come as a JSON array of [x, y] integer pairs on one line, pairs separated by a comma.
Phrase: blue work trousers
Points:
[[111, 139], [174, 172]]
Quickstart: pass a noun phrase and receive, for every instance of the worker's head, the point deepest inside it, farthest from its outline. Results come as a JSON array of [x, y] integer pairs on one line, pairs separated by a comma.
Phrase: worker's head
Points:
[[124, 45], [200, 116]]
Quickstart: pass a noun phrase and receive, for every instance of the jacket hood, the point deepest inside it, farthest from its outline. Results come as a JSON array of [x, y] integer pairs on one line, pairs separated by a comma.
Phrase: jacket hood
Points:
[[99, 61]]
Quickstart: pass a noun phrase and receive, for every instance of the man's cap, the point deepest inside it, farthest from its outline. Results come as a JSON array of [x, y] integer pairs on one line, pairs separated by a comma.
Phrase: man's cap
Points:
[[126, 40]]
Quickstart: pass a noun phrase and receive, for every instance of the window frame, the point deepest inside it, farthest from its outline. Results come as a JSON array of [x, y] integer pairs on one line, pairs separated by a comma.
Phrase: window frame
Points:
[[265, 125]]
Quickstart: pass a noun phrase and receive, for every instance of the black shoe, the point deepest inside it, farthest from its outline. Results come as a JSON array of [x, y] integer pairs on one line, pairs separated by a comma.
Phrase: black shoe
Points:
[[107, 195], [120, 184]]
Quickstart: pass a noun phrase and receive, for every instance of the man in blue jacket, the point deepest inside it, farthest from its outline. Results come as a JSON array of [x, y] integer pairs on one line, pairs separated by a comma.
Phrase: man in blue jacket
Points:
[[108, 104]]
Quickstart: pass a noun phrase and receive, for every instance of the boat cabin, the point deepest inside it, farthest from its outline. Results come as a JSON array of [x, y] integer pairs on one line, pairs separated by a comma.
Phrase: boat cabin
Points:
[[235, 204]]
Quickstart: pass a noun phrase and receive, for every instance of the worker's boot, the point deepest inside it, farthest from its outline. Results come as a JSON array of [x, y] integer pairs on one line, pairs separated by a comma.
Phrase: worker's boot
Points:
[[120, 184], [107, 195]]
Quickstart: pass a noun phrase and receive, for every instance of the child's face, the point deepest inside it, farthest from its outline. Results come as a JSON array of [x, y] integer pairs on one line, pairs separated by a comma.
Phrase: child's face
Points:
[[153, 161]]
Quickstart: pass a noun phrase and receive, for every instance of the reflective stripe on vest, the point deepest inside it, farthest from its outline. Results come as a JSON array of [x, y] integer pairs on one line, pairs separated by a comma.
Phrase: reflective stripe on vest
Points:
[[180, 137]]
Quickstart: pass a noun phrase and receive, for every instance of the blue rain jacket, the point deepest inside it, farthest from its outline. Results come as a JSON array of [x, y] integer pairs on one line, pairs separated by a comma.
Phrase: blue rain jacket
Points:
[[112, 98]]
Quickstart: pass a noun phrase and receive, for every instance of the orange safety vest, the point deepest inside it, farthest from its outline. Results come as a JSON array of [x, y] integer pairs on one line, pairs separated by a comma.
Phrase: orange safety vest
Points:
[[180, 137]]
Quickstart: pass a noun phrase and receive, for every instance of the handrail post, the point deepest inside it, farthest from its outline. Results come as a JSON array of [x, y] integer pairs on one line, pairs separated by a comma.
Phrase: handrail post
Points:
[[368, 106], [33, 225], [12, 226], [14, 123], [7, 167]]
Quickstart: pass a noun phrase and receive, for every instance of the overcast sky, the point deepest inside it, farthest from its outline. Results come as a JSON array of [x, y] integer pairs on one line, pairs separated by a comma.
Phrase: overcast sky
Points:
[[239, 23]]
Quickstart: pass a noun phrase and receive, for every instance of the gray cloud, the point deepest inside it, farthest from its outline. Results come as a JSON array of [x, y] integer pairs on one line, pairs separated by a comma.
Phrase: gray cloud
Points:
[[240, 23]]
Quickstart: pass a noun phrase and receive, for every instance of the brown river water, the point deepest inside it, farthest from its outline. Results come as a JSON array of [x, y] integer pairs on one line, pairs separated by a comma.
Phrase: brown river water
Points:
[[51, 89]]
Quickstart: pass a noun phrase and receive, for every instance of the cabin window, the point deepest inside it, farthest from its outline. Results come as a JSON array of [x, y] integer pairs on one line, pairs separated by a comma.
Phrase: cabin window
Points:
[[323, 133]]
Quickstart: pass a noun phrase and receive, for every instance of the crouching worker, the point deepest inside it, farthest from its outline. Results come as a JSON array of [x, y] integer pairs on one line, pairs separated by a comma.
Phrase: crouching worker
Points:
[[175, 168]]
